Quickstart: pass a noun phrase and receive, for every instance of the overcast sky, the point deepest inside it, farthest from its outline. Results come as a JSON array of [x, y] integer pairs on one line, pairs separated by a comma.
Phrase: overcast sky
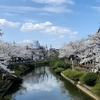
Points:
[[51, 22]]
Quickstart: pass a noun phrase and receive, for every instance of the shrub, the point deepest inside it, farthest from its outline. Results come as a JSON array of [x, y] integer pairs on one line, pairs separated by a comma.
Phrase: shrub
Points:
[[61, 64], [59, 70], [8, 97], [54, 67], [78, 69], [22, 67], [67, 72], [90, 79], [17, 73], [0, 77], [54, 59], [13, 66], [66, 65], [57, 64], [77, 75], [1, 83], [73, 74], [96, 89]]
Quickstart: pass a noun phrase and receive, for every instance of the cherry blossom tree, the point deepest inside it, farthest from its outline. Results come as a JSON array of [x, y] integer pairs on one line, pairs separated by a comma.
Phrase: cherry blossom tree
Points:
[[87, 50], [10, 51]]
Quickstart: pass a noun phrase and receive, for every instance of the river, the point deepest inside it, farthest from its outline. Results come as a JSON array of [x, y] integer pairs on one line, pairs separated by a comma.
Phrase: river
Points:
[[43, 84]]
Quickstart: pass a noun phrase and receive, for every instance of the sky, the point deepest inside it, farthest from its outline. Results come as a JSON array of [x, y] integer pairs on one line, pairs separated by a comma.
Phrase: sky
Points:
[[51, 22]]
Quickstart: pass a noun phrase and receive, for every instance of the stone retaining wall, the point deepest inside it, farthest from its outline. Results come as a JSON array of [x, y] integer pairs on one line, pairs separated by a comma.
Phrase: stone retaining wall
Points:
[[82, 88]]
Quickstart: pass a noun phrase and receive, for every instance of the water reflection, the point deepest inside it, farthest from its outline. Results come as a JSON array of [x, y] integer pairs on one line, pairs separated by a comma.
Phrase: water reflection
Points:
[[43, 84], [40, 80]]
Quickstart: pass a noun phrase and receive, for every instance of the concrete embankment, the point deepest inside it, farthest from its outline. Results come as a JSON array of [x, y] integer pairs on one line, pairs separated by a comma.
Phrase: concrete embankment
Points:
[[83, 89]]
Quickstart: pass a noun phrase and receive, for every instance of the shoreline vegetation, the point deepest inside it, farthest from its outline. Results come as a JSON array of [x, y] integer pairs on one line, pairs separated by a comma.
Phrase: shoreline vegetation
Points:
[[82, 88], [20, 70], [59, 66], [88, 82]]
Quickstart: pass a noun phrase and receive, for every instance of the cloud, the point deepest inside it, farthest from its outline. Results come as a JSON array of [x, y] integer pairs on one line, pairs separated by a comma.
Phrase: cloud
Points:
[[56, 6], [74, 33], [27, 41], [9, 14], [44, 14], [42, 86], [53, 6], [17, 9], [72, 36], [57, 9], [58, 2], [96, 8], [35, 27], [8, 24], [57, 30], [47, 28], [21, 0], [61, 36], [53, 39], [30, 20]]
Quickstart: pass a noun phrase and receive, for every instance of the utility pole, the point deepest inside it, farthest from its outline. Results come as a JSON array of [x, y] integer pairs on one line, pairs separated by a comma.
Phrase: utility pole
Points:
[[72, 63]]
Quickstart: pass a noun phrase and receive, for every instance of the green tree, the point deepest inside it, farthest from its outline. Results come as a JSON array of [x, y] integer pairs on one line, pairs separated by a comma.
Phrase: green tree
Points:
[[90, 79]]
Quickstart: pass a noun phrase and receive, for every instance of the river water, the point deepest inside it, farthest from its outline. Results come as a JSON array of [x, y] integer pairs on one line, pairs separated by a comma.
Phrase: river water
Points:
[[43, 84]]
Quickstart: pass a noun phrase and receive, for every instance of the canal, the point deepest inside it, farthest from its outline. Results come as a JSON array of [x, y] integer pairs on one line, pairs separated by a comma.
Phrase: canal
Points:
[[43, 84]]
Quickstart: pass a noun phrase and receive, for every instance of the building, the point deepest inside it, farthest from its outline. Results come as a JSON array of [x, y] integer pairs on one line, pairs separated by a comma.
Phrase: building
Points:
[[36, 44]]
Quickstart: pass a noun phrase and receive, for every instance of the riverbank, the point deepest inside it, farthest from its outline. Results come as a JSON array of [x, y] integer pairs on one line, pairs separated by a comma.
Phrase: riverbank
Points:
[[82, 88], [43, 84], [20, 70], [7, 86]]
